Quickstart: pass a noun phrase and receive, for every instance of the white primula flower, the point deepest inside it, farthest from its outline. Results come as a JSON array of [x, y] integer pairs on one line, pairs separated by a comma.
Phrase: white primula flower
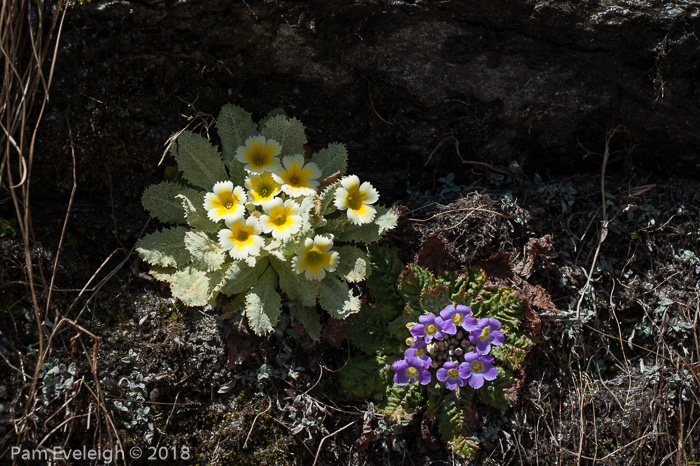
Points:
[[281, 218], [242, 238], [259, 154], [356, 199], [225, 201], [261, 188], [296, 178], [314, 258]]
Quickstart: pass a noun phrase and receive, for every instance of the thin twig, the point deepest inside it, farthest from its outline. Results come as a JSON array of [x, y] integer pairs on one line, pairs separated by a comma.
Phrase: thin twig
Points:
[[318, 451]]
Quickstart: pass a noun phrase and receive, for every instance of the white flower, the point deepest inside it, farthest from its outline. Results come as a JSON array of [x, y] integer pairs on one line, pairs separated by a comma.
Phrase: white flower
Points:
[[242, 238], [315, 258], [281, 218], [259, 154], [261, 188], [225, 201], [298, 179], [356, 199]]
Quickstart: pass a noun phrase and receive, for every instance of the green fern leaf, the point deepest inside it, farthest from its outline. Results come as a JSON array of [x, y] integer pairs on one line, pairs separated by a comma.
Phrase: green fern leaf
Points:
[[332, 159], [165, 248], [353, 265], [160, 200], [365, 375], [309, 318], [234, 126], [401, 400], [263, 305], [199, 162], [336, 298], [495, 392], [288, 132], [387, 268], [467, 286], [502, 304], [295, 285], [515, 348], [452, 424], [205, 252], [412, 283]]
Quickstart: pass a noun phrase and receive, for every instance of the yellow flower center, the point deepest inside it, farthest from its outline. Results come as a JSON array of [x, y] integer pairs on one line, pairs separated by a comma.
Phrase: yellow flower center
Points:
[[312, 257], [242, 235], [355, 201], [294, 181], [420, 352], [453, 373], [410, 325], [263, 192], [477, 366], [259, 161], [485, 333], [280, 220], [412, 371], [229, 205], [457, 319], [430, 329], [409, 341]]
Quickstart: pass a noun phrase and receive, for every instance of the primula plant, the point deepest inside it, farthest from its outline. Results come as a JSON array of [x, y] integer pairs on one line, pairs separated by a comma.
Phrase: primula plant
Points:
[[258, 217], [439, 343]]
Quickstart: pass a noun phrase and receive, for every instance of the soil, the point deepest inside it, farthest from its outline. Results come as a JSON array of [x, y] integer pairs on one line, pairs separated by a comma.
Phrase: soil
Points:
[[570, 129]]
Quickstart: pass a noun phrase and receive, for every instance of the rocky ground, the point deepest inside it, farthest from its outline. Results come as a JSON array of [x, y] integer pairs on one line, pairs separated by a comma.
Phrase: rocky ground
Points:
[[493, 124]]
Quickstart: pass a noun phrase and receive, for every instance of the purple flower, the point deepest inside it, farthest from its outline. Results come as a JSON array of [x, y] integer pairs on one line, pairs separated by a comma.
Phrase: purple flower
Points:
[[419, 350], [476, 369], [410, 369], [460, 316], [428, 328], [486, 334], [449, 374]]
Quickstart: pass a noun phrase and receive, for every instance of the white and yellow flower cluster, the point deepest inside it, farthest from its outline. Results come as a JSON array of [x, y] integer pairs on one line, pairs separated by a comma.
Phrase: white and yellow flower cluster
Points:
[[270, 207]]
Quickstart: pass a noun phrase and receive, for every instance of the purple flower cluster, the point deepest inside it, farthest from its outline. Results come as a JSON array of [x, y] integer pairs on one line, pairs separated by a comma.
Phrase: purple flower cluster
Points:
[[439, 341]]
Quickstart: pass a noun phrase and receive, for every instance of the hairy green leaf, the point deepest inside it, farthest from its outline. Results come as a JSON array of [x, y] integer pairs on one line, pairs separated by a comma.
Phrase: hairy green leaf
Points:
[[263, 305], [165, 248], [288, 132], [199, 162], [240, 277], [193, 205], [309, 318], [205, 252], [384, 221], [353, 264], [332, 159], [191, 286], [234, 126], [364, 375], [336, 298], [295, 285], [164, 274], [160, 200], [369, 329], [327, 197]]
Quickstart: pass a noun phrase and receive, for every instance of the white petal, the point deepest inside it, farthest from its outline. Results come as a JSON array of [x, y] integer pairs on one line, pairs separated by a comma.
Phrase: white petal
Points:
[[371, 194], [272, 203], [341, 198], [323, 243], [222, 187], [351, 183]]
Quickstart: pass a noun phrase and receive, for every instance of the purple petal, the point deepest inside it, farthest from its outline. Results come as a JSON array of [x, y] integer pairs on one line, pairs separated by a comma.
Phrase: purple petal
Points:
[[424, 377], [400, 366], [470, 357], [476, 380], [464, 309], [442, 374], [482, 347], [418, 330], [498, 338], [401, 378], [470, 324], [447, 312], [494, 324], [490, 374], [427, 319]]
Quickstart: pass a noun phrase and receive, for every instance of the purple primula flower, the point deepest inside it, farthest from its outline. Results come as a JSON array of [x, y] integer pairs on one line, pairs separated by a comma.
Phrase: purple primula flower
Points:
[[428, 328], [486, 334], [449, 373], [410, 369], [477, 368], [419, 350], [460, 316]]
